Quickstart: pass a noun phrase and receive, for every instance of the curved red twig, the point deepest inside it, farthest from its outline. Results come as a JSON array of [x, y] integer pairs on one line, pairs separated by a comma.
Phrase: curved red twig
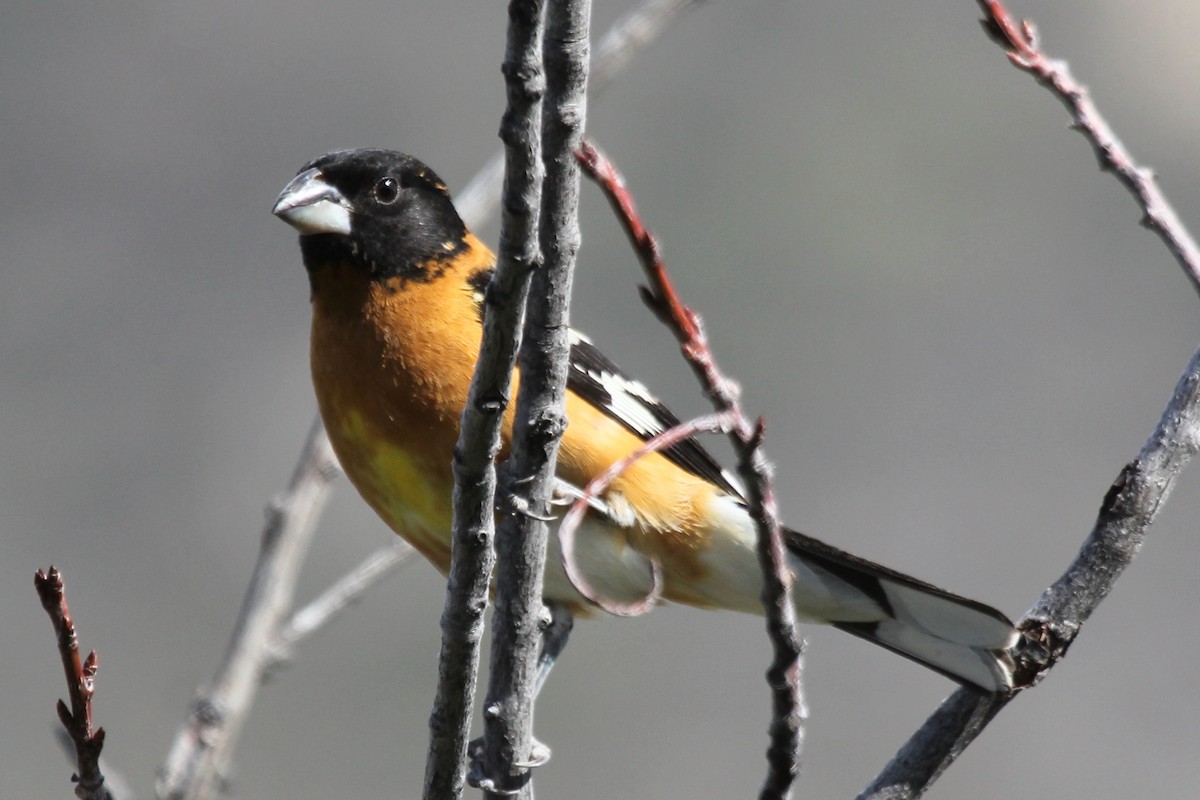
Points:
[[711, 423]]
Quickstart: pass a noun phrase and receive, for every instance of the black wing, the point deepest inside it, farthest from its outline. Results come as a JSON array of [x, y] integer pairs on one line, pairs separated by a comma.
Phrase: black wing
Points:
[[598, 380]]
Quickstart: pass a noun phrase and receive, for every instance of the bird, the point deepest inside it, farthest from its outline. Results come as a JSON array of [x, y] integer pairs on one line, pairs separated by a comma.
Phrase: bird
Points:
[[397, 285]]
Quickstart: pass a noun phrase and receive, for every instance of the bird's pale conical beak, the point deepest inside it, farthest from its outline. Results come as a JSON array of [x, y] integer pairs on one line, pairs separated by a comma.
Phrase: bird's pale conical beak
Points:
[[312, 206]]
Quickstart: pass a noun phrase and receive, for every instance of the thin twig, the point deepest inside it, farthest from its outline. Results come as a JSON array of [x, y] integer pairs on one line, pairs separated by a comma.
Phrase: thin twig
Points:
[[712, 423], [1024, 51], [784, 674], [81, 686], [540, 418], [1130, 505], [628, 37], [332, 602], [201, 752]]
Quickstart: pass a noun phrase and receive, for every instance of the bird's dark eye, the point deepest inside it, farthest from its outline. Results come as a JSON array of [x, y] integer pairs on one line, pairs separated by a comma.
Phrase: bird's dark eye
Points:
[[387, 190]]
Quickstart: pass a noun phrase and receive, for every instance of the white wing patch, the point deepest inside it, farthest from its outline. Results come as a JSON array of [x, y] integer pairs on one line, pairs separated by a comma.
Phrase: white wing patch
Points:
[[628, 402]]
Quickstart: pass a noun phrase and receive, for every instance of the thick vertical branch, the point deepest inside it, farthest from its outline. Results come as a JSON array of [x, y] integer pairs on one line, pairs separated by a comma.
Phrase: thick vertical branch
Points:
[[479, 437], [540, 418]]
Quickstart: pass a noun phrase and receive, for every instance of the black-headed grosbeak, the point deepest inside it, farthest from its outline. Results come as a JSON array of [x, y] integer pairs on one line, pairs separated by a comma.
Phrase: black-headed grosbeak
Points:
[[397, 298]]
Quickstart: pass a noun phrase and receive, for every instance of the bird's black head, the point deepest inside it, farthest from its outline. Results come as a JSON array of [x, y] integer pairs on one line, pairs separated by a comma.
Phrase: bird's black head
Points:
[[379, 209]]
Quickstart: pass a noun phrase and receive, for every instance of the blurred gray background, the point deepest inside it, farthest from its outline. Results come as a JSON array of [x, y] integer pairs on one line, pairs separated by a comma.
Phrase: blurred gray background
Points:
[[952, 320]]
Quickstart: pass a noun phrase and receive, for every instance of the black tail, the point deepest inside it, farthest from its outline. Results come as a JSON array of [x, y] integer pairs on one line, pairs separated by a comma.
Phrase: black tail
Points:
[[960, 638]]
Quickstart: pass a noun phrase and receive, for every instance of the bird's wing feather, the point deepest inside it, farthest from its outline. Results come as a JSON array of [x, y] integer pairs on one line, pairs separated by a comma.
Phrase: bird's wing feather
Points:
[[596, 379]]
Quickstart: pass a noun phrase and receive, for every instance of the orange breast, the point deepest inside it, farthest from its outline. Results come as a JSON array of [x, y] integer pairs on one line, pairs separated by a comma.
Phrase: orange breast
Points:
[[389, 396]]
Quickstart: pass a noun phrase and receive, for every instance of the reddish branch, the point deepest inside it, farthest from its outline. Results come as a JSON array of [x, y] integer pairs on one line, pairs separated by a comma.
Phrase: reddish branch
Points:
[[713, 423], [81, 685], [1020, 40], [784, 675]]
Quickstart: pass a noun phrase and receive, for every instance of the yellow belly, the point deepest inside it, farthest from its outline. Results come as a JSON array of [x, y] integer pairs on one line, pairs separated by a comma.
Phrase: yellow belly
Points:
[[409, 493]]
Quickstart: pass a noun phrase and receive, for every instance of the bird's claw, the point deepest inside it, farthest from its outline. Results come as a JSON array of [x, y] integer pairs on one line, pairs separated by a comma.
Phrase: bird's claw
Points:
[[539, 756], [477, 777], [520, 505]]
